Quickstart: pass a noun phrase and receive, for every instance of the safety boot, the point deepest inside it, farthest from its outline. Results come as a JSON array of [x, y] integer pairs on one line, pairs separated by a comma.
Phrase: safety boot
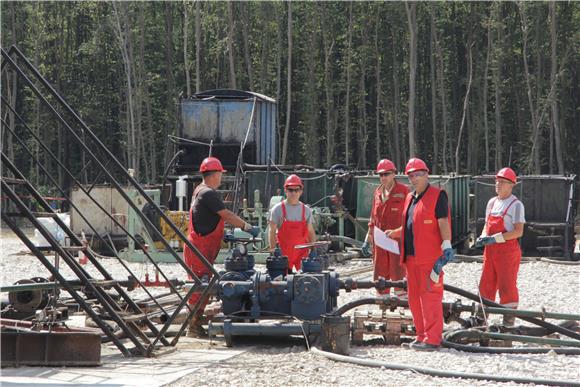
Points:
[[195, 329], [509, 320]]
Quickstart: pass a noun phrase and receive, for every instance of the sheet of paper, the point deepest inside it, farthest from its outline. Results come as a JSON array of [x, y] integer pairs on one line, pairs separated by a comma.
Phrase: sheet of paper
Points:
[[384, 242]]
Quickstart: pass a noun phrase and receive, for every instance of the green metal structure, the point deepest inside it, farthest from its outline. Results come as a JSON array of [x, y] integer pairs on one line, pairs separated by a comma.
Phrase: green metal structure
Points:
[[457, 188]]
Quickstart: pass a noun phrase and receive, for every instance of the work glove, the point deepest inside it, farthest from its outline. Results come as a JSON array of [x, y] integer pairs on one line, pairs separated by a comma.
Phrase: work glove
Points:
[[366, 249], [448, 256], [229, 237], [489, 240], [254, 231]]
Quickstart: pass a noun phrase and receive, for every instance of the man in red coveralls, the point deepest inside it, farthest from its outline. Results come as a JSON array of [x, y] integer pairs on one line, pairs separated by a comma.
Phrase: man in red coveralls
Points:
[[504, 224], [291, 223], [425, 244], [207, 217], [386, 213]]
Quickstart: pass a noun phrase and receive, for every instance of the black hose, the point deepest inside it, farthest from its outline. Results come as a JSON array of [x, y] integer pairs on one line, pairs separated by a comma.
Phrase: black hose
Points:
[[441, 373], [171, 162], [533, 320], [478, 335]]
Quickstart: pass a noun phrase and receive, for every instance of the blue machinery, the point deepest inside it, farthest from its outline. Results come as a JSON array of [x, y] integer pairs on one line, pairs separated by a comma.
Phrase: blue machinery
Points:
[[278, 303]]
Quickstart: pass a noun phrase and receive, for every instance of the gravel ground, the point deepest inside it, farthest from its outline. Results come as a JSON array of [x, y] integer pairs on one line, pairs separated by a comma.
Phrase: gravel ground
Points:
[[555, 287]]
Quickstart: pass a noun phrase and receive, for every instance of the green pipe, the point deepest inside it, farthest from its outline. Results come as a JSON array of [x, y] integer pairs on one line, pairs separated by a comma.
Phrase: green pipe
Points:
[[448, 342], [477, 334], [530, 313]]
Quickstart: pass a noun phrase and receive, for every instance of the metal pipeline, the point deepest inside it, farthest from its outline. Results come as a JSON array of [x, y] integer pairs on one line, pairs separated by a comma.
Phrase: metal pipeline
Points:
[[545, 324], [277, 328], [440, 373], [475, 334]]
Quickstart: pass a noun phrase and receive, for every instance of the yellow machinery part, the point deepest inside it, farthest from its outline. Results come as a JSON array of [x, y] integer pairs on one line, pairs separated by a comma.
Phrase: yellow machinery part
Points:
[[181, 220]]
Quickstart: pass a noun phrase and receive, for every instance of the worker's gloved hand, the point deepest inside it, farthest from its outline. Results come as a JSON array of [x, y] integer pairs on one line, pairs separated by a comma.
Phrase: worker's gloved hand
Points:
[[448, 253], [366, 249], [254, 231], [437, 268], [484, 241], [229, 237]]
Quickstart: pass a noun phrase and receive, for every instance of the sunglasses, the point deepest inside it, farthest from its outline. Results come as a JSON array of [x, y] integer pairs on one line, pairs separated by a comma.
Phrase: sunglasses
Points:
[[417, 174], [386, 174], [293, 189]]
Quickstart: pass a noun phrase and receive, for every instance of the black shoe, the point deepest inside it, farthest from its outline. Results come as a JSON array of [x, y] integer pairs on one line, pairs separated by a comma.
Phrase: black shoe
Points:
[[409, 345], [425, 347]]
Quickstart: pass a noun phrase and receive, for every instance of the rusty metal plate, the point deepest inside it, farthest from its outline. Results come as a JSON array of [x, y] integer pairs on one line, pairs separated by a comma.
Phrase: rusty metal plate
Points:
[[50, 349]]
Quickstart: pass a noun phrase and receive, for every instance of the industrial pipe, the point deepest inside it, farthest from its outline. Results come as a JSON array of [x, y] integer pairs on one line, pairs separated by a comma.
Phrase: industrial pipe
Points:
[[545, 324], [440, 373], [476, 335], [278, 328]]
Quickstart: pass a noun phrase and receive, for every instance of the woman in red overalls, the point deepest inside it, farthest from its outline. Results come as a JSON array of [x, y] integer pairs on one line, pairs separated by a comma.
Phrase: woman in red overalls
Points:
[[386, 211], [502, 254], [294, 228]]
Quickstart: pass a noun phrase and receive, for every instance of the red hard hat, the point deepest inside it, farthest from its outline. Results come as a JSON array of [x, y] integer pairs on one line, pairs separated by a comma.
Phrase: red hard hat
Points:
[[210, 164], [385, 165], [507, 173], [292, 181], [415, 164]]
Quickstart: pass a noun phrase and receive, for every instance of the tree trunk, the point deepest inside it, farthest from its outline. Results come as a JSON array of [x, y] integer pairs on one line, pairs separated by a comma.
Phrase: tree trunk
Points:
[[330, 113], [288, 86], [411, 8], [186, 64], [170, 76], [123, 30], [247, 54], [347, 101], [230, 44], [442, 92], [435, 163], [534, 164], [553, 81], [279, 77], [485, 88], [379, 92], [397, 104], [362, 124], [496, 70], [198, 46], [465, 104]]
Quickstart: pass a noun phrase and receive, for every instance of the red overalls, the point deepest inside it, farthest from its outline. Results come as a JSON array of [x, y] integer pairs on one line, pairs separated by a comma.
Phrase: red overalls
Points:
[[387, 216], [290, 234], [425, 296], [501, 262], [209, 245]]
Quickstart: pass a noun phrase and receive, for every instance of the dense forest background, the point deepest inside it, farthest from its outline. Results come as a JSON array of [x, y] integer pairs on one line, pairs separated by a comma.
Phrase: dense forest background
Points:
[[468, 86]]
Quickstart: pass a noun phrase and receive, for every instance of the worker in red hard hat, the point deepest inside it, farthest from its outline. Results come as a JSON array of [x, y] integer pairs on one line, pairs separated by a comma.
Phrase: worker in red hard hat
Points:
[[425, 247], [504, 224], [207, 216], [386, 211], [291, 223]]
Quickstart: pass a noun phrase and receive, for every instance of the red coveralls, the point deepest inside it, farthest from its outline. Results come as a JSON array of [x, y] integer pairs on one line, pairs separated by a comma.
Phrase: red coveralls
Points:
[[425, 296], [501, 262], [290, 234], [209, 245], [387, 216]]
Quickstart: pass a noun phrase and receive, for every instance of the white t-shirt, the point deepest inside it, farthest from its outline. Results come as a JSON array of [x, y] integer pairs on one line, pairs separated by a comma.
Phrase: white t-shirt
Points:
[[293, 213], [515, 213]]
